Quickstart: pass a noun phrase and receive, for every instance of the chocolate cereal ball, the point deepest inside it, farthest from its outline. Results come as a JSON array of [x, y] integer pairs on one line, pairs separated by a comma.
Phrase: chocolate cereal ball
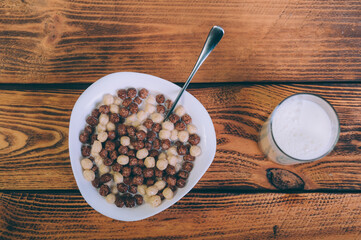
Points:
[[132, 189], [148, 123], [104, 190], [168, 103], [133, 108], [138, 180], [95, 113], [141, 135], [121, 129], [105, 178], [160, 98], [187, 166], [186, 118], [104, 109], [143, 93], [122, 187], [131, 92], [85, 151], [123, 112], [138, 199], [119, 201], [96, 182], [137, 170], [92, 121], [127, 102], [122, 94], [148, 172], [84, 137], [130, 202], [181, 183], [174, 118], [171, 180], [138, 100], [160, 109], [194, 139], [170, 170], [183, 174]]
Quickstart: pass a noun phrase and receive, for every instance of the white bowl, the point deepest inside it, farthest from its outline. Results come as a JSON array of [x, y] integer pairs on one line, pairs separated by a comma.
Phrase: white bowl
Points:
[[89, 99]]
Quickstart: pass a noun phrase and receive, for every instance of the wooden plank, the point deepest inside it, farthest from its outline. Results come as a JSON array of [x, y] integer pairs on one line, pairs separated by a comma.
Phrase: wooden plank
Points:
[[196, 216], [34, 131], [63, 41]]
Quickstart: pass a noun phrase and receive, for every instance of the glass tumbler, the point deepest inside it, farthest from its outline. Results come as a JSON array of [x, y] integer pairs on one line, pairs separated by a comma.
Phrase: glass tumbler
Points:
[[302, 128]]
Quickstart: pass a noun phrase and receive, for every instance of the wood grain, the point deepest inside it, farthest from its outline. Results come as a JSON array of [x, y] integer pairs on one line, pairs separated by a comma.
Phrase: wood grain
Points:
[[63, 41], [196, 216], [34, 132]]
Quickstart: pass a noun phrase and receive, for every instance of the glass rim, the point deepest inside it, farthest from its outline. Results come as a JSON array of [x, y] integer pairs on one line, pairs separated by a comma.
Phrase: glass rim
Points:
[[333, 144]]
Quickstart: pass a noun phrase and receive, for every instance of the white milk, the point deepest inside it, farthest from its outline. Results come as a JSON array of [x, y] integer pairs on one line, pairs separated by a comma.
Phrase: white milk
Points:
[[302, 129]]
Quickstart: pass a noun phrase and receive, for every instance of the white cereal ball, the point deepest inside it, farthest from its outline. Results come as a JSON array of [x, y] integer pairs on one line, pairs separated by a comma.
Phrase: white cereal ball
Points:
[[183, 136], [142, 153], [108, 99], [149, 162], [195, 151], [164, 134], [168, 193], [136, 123], [179, 110], [89, 175], [157, 117], [142, 189], [114, 189], [114, 108], [179, 159], [168, 125], [142, 115], [94, 154], [151, 99], [86, 163], [102, 137], [125, 141], [178, 167], [174, 135], [162, 164], [98, 161], [110, 126], [162, 156], [118, 101], [142, 127], [152, 190], [103, 169], [172, 151], [160, 185], [155, 201], [123, 159], [132, 117], [191, 128], [146, 198], [172, 160], [97, 146], [103, 119], [131, 147], [118, 178], [149, 108], [110, 198], [101, 128]]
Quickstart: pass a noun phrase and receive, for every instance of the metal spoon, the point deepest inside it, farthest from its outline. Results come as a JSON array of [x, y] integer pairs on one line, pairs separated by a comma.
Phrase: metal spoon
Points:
[[214, 36]]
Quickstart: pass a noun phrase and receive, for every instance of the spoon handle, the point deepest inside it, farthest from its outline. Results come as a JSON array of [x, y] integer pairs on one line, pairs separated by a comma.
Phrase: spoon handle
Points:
[[214, 36]]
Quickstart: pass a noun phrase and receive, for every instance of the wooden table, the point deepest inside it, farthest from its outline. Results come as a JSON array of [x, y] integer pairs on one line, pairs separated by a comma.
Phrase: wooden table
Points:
[[50, 51]]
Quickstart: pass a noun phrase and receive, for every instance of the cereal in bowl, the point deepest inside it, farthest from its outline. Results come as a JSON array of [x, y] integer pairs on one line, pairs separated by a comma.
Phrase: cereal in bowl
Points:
[[131, 155]]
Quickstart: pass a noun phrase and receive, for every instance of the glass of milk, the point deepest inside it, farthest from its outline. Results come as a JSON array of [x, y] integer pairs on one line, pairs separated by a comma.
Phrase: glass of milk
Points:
[[302, 128]]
